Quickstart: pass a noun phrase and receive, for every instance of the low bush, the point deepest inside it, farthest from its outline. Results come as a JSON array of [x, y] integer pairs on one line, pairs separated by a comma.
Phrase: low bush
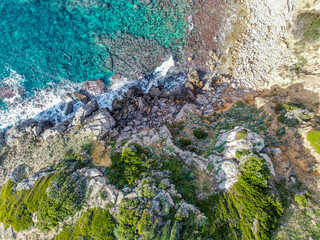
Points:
[[313, 137], [200, 134]]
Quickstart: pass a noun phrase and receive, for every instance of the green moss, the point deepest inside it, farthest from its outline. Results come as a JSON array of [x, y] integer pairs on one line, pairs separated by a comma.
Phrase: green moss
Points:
[[242, 153], [243, 134], [200, 134], [94, 224], [313, 137]]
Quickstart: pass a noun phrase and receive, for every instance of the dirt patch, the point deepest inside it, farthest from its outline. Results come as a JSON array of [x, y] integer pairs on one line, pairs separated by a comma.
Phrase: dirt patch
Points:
[[101, 155]]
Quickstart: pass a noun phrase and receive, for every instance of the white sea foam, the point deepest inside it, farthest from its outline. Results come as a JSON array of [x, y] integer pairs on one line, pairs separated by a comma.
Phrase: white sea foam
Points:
[[48, 104]]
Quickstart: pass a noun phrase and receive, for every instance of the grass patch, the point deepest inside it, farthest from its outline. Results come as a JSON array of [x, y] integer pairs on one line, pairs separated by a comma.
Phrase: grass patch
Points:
[[243, 134], [97, 224], [308, 25], [313, 137]]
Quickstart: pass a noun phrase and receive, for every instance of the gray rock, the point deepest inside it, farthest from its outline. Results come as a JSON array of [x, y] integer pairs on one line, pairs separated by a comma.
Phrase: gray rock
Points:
[[80, 96], [143, 105], [69, 108], [187, 109], [29, 182], [85, 111], [12, 136], [201, 99], [93, 172], [154, 91], [100, 123], [232, 144]]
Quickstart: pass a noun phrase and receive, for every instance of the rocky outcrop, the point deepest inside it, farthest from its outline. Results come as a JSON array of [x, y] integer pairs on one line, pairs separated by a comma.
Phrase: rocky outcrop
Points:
[[239, 139], [94, 87]]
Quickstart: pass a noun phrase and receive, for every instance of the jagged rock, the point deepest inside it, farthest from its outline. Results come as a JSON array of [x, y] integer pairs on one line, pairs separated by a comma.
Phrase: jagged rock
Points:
[[134, 92], [143, 105], [116, 104], [154, 91], [189, 85], [68, 108], [35, 128], [57, 129], [85, 111], [94, 87], [93, 172], [29, 182], [187, 109], [227, 174], [18, 173], [80, 96], [232, 143], [100, 123]]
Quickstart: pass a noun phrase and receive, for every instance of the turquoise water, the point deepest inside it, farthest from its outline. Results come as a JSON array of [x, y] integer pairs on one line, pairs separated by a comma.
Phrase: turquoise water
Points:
[[49, 40], [55, 44]]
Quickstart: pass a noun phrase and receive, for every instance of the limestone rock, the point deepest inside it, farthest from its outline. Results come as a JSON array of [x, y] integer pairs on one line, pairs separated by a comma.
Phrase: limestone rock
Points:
[[154, 91], [232, 143], [93, 172], [100, 123]]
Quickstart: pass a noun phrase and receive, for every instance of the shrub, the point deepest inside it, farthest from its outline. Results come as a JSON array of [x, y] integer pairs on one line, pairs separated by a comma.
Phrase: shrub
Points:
[[95, 224], [128, 218], [128, 166], [242, 153], [200, 134], [184, 143], [302, 200]]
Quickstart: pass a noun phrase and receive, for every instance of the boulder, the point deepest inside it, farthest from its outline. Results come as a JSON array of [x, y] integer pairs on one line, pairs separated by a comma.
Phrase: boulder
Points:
[[154, 92], [85, 111], [238, 139], [69, 108], [80, 96], [93, 172], [143, 105], [57, 129], [187, 109], [201, 99], [227, 174], [94, 87], [134, 92], [100, 123], [195, 79]]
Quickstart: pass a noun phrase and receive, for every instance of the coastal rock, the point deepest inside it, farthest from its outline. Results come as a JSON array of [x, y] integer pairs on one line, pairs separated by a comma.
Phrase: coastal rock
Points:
[[100, 123], [186, 109], [8, 92], [154, 91], [86, 110], [238, 139], [143, 105], [80, 96], [68, 108], [134, 92], [94, 87], [35, 128], [2, 140], [57, 129]]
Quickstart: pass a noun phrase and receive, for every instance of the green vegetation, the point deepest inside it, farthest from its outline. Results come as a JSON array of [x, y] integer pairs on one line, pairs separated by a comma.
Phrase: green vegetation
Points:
[[94, 224], [200, 134], [303, 199], [128, 166], [247, 211], [242, 153], [314, 139], [183, 143], [243, 134]]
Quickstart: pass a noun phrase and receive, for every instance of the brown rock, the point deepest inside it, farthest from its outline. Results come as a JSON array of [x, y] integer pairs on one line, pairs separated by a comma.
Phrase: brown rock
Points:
[[94, 87], [80, 96]]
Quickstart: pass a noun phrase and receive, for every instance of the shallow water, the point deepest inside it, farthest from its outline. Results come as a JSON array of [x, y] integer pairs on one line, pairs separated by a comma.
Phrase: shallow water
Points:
[[48, 48]]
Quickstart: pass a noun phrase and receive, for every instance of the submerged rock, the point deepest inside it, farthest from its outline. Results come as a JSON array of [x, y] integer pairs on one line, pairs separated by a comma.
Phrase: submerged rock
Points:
[[94, 87]]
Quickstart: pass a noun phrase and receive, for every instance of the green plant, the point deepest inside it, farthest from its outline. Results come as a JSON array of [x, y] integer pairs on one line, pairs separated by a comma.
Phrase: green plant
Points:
[[303, 199], [242, 153], [184, 143], [94, 224], [200, 134]]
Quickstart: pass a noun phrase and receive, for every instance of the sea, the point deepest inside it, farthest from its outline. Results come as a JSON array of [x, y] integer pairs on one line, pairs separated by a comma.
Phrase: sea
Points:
[[48, 48]]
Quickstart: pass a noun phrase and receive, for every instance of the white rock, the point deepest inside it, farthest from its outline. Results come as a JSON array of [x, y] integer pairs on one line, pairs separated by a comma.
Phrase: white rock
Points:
[[93, 172]]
